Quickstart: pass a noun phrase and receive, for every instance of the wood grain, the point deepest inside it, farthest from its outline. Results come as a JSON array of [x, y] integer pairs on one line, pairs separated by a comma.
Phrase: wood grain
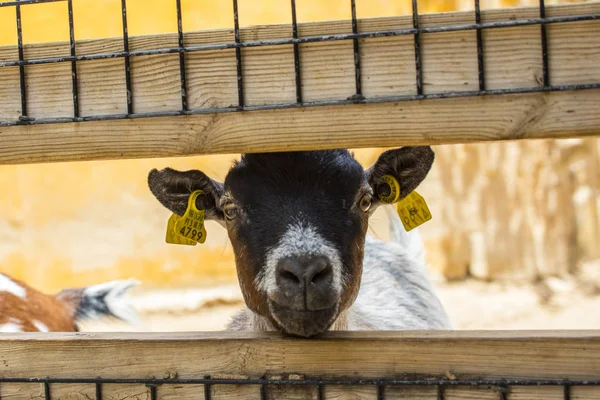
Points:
[[584, 393], [68, 391], [537, 393], [466, 354], [410, 393], [350, 392], [471, 393], [178, 391], [541, 115], [113, 391], [512, 59], [485, 354], [20, 391]]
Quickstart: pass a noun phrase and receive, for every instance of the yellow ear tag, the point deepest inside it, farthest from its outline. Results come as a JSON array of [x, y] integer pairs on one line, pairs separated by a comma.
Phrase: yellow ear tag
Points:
[[412, 209], [189, 228], [174, 238], [393, 187]]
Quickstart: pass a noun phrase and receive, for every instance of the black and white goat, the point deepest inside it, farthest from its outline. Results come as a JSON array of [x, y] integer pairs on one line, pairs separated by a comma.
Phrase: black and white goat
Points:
[[297, 222]]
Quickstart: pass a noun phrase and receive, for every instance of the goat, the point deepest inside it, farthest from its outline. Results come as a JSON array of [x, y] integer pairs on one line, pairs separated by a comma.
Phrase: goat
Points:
[[24, 309], [297, 222]]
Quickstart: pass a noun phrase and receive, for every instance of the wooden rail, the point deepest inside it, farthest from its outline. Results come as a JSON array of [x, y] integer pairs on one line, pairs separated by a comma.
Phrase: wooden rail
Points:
[[512, 60], [459, 355]]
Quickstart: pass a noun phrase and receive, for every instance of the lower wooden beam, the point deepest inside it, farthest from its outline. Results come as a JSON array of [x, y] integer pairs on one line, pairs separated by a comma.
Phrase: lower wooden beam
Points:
[[466, 354], [167, 366]]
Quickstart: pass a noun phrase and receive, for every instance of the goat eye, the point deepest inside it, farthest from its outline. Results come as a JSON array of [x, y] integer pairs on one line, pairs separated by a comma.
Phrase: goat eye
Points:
[[230, 211], [365, 202]]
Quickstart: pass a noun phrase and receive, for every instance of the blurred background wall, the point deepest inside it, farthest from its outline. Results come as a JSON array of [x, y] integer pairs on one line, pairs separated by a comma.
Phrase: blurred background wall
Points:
[[515, 210]]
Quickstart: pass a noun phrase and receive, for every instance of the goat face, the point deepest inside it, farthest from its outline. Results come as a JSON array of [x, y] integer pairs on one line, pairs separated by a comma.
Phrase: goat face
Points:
[[297, 222]]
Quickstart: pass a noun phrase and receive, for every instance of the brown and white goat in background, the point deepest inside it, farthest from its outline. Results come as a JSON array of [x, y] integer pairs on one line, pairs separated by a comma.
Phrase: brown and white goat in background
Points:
[[24, 309], [297, 222]]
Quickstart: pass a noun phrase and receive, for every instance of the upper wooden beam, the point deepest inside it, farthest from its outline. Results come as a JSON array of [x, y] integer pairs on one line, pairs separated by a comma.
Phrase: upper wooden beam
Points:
[[512, 60]]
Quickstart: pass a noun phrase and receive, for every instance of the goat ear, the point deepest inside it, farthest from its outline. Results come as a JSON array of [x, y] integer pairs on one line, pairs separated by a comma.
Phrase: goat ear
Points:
[[173, 188], [409, 165]]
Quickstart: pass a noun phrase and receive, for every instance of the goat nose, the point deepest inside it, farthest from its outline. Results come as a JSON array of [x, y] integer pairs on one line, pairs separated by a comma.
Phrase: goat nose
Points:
[[301, 272], [304, 283]]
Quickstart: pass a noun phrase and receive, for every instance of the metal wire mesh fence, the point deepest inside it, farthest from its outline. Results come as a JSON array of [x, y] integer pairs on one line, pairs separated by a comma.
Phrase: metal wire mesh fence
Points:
[[358, 97], [502, 388]]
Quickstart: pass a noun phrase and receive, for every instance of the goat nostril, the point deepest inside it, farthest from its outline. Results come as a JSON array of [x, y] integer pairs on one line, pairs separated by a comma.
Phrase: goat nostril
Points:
[[320, 276], [290, 271], [287, 275]]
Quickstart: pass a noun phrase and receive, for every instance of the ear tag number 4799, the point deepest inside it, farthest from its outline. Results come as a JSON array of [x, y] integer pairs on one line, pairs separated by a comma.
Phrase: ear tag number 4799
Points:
[[189, 228], [412, 209]]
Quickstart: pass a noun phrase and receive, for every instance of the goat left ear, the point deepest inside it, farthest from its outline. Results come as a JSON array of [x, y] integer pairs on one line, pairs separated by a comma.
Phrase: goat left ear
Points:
[[173, 188], [409, 165]]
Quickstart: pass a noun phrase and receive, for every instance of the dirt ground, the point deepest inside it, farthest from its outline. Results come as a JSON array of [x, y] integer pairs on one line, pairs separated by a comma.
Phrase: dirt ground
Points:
[[556, 304]]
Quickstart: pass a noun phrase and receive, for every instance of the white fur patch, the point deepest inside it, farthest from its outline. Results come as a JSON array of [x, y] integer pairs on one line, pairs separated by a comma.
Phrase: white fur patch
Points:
[[411, 241], [40, 326], [299, 240], [10, 286], [10, 327], [113, 295]]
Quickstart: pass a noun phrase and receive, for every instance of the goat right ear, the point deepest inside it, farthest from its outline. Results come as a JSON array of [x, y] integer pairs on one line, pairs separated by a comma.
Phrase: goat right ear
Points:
[[409, 165], [173, 188]]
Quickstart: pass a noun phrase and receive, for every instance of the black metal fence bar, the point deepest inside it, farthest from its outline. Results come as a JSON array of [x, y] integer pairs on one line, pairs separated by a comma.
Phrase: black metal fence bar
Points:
[[263, 392], [73, 62], [153, 394], [544, 43], [380, 392], [480, 68], [296, 54], [98, 390], [320, 392], [22, 84], [502, 391], [47, 391], [357, 79], [440, 392], [567, 392], [182, 73], [207, 388], [430, 381], [126, 55], [417, 44], [310, 39], [238, 55]]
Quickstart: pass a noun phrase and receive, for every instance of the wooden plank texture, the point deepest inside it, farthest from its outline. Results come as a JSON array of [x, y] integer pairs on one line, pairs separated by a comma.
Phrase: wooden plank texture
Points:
[[70, 391], [512, 60], [573, 355]]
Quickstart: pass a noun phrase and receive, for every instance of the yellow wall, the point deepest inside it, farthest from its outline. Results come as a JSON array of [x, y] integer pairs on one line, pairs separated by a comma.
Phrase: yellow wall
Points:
[[102, 18], [80, 223]]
